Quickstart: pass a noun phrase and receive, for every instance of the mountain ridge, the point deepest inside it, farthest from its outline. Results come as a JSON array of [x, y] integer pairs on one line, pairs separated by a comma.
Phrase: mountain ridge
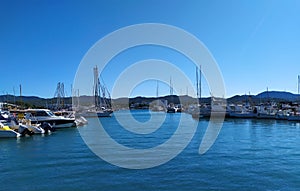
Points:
[[266, 96]]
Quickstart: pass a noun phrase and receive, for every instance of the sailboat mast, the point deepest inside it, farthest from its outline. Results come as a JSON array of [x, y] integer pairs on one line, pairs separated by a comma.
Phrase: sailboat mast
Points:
[[101, 96], [21, 102], [197, 80], [78, 98], [14, 95], [171, 86], [96, 87], [200, 82], [269, 101], [298, 88], [156, 88], [298, 84]]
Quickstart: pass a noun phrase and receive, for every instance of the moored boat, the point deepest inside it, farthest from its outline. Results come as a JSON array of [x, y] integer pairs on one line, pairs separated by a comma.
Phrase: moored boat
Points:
[[6, 132], [102, 107], [26, 125], [44, 115], [171, 109], [244, 114], [95, 113], [80, 121], [293, 118]]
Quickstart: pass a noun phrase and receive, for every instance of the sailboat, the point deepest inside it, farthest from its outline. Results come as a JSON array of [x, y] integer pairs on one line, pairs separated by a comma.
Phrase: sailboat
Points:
[[197, 113], [295, 116], [157, 106], [102, 106], [171, 106]]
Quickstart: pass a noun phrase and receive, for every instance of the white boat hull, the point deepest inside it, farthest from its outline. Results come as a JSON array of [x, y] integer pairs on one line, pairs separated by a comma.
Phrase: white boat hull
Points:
[[266, 116], [294, 118], [56, 123], [65, 125], [97, 114], [34, 129], [80, 121], [9, 133], [243, 115], [39, 116]]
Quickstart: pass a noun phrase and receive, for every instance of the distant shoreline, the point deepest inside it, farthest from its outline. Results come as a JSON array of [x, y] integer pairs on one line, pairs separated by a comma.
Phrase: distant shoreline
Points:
[[267, 96]]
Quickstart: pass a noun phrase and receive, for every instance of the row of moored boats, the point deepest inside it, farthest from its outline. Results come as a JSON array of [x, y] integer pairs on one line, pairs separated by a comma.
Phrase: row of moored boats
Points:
[[36, 121], [262, 111]]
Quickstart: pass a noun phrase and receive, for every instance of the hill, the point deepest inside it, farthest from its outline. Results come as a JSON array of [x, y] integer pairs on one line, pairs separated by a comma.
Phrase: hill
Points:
[[277, 96], [34, 101]]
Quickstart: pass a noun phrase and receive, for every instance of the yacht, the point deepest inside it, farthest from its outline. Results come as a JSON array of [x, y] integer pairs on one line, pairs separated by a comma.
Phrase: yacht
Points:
[[45, 115]]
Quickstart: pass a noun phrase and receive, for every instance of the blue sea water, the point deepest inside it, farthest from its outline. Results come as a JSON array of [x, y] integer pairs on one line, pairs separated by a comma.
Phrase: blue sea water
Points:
[[247, 155]]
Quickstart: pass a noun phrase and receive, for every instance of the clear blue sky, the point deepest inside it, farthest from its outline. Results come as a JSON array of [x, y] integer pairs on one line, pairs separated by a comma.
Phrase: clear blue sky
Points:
[[256, 43]]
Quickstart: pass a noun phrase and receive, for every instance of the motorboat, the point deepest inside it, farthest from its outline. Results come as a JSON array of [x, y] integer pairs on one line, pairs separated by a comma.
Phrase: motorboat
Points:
[[178, 108], [158, 108], [97, 113], [4, 116], [282, 114], [26, 125], [266, 112], [237, 111], [243, 114], [6, 132], [44, 115], [171, 109], [207, 111], [80, 121], [294, 118]]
